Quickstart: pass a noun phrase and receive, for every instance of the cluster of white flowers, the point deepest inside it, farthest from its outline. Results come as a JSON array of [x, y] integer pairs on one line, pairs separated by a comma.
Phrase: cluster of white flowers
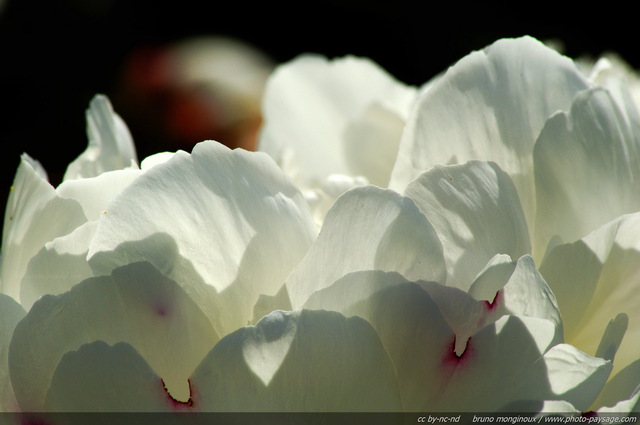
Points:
[[469, 245]]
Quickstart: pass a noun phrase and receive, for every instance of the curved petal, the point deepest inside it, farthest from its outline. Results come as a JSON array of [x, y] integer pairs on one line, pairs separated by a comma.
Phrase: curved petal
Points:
[[595, 279], [491, 106], [527, 294], [306, 361], [617, 76], [421, 329], [475, 209], [369, 229], [136, 304], [10, 314], [624, 386], [602, 145], [35, 215], [227, 225], [101, 378], [58, 266], [95, 193], [110, 143], [342, 116], [574, 376]]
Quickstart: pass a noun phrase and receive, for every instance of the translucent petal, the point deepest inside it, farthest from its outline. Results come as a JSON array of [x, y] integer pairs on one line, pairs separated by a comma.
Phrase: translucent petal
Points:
[[595, 279], [527, 294], [342, 116], [475, 209], [301, 361], [101, 378], [35, 215], [110, 144], [625, 385], [58, 266], [369, 229], [491, 106], [10, 314], [574, 376], [226, 225], [136, 304], [95, 193], [598, 140], [421, 329]]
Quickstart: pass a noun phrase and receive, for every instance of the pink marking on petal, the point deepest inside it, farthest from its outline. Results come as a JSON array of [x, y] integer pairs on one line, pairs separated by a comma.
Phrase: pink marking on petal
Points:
[[178, 405], [452, 359], [161, 309], [493, 304]]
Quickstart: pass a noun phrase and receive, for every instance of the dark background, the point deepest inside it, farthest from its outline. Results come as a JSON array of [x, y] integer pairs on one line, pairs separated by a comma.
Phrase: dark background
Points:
[[55, 55]]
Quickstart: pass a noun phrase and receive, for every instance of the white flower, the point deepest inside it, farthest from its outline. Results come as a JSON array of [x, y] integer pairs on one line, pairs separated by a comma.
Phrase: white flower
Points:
[[569, 143], [201, 283]]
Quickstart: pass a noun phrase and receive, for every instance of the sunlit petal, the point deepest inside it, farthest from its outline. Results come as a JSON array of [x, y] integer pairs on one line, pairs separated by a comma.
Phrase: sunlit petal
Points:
[[35, 215], [595, 279], [110, 143], [603, 179], [491, 105], [476, 211], [369, 229], [227, 225], [342, 116]]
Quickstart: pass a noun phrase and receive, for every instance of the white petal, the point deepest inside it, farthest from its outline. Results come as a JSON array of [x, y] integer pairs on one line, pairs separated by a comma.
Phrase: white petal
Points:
[[603, 178], [414, 326], [369, 229], [110, 143], [476, 211], [227, 225], [136, 305], [155, 159], [302, 361], [35, 215], [10, 314], [575, 376], [371, 143], [491, 105], [617, 76], [58, 266], [100, 378], [95, 193], [624, 386], [318, 109], [527, 294], [595, 279]]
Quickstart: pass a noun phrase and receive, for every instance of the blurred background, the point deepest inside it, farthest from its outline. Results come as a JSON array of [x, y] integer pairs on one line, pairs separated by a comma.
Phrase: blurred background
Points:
[[56, 55]]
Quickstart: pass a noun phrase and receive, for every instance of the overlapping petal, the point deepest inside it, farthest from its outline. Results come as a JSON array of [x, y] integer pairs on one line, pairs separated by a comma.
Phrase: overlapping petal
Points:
[[491, 106], [476, 212], [102, 378], [582, 182], [306, 361], [35, 215], [501, 360], [369, 229], [135, 304], [226, 225], [343, 116], [110, 143], [595, 279]]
